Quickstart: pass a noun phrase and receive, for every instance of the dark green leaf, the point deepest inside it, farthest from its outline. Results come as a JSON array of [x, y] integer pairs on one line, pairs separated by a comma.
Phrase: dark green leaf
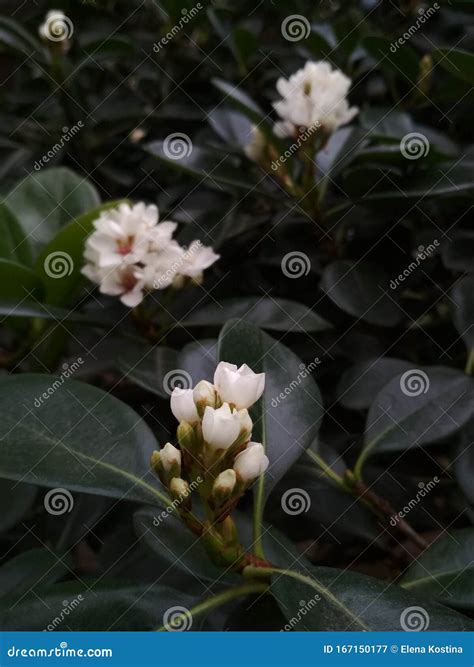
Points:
[[18, 282], [360, 384], [458, 63], [463, 309], [29, 570]]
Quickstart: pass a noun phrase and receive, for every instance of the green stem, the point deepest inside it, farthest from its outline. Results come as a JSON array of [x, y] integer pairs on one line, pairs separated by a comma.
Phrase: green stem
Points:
[[325, 468], [217, 601], [469, 370], [259, 503]]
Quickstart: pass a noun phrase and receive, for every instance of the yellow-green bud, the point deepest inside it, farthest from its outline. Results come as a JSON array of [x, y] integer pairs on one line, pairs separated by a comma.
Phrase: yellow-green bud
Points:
[[180, 491], [224, 486]]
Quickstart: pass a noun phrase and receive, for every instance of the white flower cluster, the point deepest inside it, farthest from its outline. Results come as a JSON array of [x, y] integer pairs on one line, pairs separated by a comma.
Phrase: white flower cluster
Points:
[[315, 95], [131, 252], [217, 415]]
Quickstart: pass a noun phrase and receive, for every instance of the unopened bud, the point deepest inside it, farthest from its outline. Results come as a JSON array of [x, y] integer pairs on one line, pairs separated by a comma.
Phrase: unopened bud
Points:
[[224, 486], [180, 491], [204, 394], [167, 463], [246, 424], [186, 436]]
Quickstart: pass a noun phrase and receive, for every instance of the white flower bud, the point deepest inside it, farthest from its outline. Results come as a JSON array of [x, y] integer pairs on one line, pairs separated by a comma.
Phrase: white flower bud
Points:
[[251, 463], [224, 485], [183, 406], [170, 457], [204, 394], [246, 424], [220, 427], [179, 488], [239, 386]]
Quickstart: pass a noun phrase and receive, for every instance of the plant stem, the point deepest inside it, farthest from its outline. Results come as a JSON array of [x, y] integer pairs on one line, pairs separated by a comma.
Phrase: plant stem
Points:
[[217, 601], [259, 502], [469, 370]]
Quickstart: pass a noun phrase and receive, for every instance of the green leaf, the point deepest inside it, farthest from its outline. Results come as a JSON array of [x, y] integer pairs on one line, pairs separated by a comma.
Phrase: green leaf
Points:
[[417, 408], [203, 163], [44, 201], [458, 63], [463, 309], [61, 260], [361, 290], [361, 383], [288, 416], [14, 36], [326, 599], [158, 369], [342, 148], [402, 61], [445, 570], [13, 244], [29, 570], [18, 282], [57, 432], [168, 538], [464, 461], [231, 126], [265, 312], [47, 312], [98, 606], [16, 500], [458, 252]]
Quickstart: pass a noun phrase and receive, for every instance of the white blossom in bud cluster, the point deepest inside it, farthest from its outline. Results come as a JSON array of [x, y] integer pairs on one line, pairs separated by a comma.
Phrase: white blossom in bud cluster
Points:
[[131, 252], [239, 386], [251, 463], [183, 406], [170, 456], [314, 96], [221, 427]]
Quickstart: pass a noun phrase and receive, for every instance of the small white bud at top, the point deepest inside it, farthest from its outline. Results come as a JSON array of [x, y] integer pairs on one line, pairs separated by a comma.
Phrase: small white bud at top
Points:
[[220, 427], [183, 406], [239, 386], [251, 463]]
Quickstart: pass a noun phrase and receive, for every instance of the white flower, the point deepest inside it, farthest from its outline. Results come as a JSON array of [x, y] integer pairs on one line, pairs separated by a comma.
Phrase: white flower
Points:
[[130, 253], [170, 457], [224, 485], [315, 95], [205, 393], [239, 386], [197, 257], [220, 427], [183, 406], [251, 463], [246, 423]]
